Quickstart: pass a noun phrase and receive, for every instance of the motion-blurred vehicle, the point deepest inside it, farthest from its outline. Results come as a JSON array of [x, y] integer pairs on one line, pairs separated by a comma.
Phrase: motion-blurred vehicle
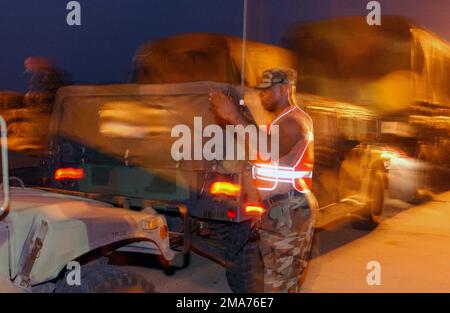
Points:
[[398, 70], [27, 117], [114, 143], [42, 231]]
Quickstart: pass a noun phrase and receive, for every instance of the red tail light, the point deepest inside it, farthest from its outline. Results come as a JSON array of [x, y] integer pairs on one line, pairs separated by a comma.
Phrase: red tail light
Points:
[[231, 213], [69, 173], [225, 188], [254, 209]]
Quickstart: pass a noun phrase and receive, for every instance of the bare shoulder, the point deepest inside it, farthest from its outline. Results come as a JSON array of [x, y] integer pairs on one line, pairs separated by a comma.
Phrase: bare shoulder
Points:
[[291, 131], [293, 123]]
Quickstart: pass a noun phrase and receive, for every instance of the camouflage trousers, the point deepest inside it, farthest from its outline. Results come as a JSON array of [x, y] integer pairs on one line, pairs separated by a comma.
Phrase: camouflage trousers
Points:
[[286, 236]]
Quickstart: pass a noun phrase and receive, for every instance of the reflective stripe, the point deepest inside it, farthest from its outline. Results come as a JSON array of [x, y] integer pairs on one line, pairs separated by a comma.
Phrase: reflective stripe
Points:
[[264, 173]]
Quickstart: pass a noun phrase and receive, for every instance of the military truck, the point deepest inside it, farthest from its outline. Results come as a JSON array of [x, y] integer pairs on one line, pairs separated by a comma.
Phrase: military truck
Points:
[[341, 127], [43, 231], [113, 143], [398, 70]]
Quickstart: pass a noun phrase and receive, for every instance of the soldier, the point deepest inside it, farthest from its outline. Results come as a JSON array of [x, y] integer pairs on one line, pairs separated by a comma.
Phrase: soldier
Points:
[[284, 185]]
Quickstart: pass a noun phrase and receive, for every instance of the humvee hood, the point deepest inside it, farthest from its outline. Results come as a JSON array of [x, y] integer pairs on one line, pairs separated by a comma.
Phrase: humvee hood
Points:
[[70, 226], [29, 198]]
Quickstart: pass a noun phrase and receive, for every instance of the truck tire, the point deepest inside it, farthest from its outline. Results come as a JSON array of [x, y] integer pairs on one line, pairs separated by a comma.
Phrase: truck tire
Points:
[[218, 231], [370, 217], [245, 274], [106, 278]]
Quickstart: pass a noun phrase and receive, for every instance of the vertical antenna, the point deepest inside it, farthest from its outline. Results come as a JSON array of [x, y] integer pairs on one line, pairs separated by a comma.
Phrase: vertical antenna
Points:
[[244, 43]]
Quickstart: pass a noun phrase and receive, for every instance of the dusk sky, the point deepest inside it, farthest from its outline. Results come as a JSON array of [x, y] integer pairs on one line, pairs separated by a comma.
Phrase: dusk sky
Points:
[[101, 49]]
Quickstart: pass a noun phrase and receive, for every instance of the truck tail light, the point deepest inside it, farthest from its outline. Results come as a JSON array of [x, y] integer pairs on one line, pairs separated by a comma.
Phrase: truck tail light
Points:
[[225, 188], [69, 173], [254, 209], [231, 213]]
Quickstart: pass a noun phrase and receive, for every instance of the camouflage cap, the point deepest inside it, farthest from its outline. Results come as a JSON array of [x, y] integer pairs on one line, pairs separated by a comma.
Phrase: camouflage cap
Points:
[[278, 76]]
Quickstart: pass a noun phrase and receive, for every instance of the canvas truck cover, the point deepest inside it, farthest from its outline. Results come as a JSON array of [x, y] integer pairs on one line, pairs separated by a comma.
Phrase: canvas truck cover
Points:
[[388, 67], [130, 126], [134, 122], [206, 57]]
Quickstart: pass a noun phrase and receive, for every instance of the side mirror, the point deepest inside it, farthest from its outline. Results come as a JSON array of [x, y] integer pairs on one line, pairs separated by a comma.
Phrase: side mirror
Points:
[[5, 167]]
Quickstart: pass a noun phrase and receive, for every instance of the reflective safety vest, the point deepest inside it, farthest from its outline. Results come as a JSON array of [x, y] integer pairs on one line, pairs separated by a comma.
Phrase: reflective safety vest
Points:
[[269, 175]]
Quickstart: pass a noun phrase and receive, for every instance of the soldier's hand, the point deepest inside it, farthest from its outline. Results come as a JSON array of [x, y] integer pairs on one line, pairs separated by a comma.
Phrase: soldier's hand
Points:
[[223, 107]]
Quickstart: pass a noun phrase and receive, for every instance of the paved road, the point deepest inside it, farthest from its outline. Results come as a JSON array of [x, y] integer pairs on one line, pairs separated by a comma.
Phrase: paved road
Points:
[[412, 246]]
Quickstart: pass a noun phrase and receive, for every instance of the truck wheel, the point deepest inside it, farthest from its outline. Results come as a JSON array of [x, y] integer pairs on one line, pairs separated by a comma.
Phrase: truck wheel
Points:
[[245, 274], [371, 215], [106, 278]]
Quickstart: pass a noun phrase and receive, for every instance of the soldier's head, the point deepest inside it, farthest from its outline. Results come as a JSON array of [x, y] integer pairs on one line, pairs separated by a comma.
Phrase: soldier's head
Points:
[[277, 86]]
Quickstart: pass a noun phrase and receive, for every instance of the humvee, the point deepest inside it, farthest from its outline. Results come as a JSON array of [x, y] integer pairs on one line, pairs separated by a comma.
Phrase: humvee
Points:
[[42, 231], [113, 143]]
